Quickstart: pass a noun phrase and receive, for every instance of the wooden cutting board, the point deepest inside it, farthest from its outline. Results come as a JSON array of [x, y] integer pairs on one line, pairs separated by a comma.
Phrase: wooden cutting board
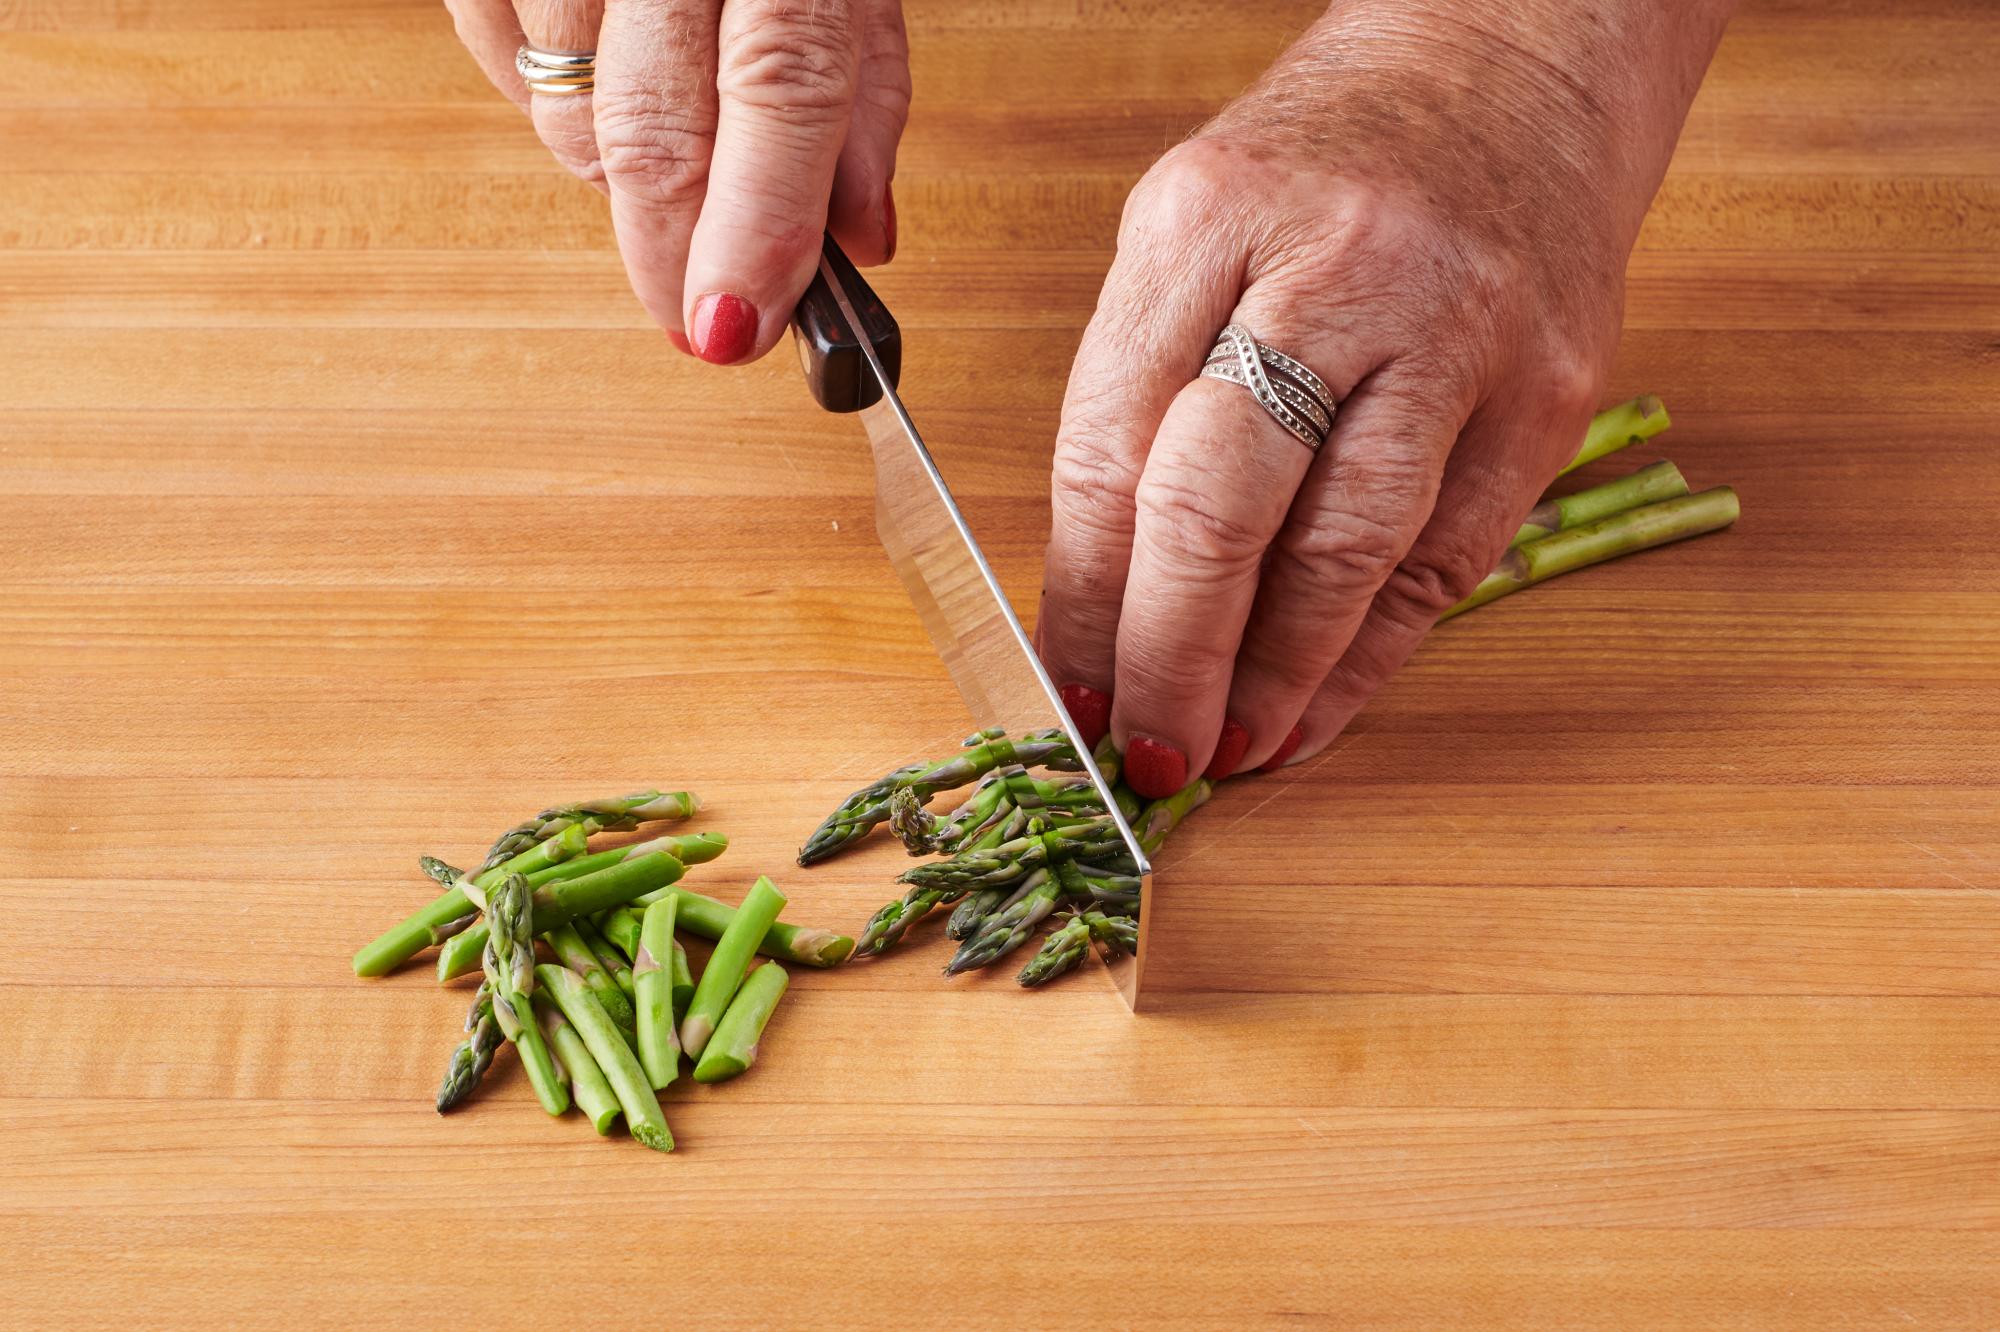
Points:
[[1632, 962]]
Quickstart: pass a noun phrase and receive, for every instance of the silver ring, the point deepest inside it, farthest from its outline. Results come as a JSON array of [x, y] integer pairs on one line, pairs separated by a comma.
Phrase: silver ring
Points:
[[556, 73], [1291, 394]]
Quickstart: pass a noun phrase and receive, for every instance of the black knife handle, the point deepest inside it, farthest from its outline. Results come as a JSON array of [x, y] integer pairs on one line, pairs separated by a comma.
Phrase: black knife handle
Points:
[[829, 352]]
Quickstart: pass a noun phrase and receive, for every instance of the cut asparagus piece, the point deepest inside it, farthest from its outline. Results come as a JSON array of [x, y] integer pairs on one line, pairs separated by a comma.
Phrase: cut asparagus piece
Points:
[[614, 1058], [473, 1056], [574, 953], [803, 944], [982, 752], [411, 935], [1648, 485], [1064, 949], [612, 814], [653, 995], [1616, 427], [683, 983], [727, 963], [688, 848], [510, 976], [733, 1048], [608, 957], [1606, 539], [559, 902], [620, 926], [589, 1092]]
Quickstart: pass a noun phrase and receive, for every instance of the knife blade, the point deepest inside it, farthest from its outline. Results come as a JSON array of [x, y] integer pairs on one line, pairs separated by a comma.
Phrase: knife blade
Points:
[[851, 350]]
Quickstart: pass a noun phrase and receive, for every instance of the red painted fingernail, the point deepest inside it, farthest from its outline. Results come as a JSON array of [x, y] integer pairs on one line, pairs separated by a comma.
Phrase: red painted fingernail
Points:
[[1153, 769], [888, 223], [1229, 749], [1089, 708], [1284, 751], [680, 341], [725, 328]]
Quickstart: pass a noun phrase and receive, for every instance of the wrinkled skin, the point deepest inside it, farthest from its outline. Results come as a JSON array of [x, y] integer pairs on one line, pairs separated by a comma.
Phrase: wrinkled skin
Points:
[[1430, 204]]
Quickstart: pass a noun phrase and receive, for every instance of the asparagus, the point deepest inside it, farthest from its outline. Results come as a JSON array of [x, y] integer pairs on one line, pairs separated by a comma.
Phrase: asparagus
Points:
[[688, 848], [608, 957], [1161, 817], [1013, 861], [451, 928], [1060, 953], [612, 814], [620, 927], [510, 976], [1648, 485], [574, 953], [733, 1048], [683, 981], [474, 1055], [1009, 927], [1115, 936], [1607, 538], [1104, 889], [652, 976], [438, 872], [562, 900], [973, 910], [726, 964], [805, 945], [893, 919], [411, 935], [588, 1089], [613, 1057], [982, 752], [1615, 427]]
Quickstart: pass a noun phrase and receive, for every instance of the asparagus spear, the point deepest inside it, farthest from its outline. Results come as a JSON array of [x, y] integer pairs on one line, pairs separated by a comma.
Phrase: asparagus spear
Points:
[[1606, 539], [614, 1058], [574, 953], [608, 957], [1065, 947], [710, 919], [611, 814], [893, 919], [1013, 861], [973, 910], [588, 1089], [1115, 936], [510, 976], [726, 964], [733, 1048], [652, 976], [683, 981], [562, 900], [438, 872], [1010, 927], [411, 935], [982, 752], [620, 927], [1615, 427], [474, 1055], [1648, 485]]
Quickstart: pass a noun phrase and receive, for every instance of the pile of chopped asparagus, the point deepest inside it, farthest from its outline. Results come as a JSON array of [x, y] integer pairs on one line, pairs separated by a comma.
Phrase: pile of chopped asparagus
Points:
[[1023, 849], [603, 1023]]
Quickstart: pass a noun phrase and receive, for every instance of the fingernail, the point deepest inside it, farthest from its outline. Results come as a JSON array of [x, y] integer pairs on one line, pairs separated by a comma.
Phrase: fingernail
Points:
[[1284, 751], [1090, 709], [888, 222], [725, 328], [1153, 769], [1229, 747], [680, 342]]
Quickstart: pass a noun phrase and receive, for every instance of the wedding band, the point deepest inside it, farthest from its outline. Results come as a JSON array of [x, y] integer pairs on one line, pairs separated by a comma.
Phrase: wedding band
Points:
[[556, 73], [1289, 393]]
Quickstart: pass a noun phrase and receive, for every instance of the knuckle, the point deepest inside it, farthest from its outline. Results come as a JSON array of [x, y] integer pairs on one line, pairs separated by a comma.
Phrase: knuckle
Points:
[[1184, 192], [1340, 557], [1093, 484], [642, 144], [797, 59], [1199, 529], [1428, 582]]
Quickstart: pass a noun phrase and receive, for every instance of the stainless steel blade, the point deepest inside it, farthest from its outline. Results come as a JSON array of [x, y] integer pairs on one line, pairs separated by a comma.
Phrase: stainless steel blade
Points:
[[962, 605]]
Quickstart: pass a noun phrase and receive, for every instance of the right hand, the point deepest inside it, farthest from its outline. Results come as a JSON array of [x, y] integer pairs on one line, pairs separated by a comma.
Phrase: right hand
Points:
[[728, 136]]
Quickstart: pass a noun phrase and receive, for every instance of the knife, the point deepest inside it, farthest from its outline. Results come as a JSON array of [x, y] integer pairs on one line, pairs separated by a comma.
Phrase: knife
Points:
[[851, 350]]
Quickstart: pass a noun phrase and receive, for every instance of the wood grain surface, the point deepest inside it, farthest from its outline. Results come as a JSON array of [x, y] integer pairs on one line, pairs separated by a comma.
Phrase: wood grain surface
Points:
[[1633, 962]]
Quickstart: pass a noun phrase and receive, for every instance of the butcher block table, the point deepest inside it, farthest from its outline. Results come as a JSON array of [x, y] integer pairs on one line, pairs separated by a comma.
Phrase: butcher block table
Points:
[[1634, 961]]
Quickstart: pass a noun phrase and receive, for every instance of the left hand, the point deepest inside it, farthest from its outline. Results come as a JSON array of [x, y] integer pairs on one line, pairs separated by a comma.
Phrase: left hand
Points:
[[1431, 208]]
